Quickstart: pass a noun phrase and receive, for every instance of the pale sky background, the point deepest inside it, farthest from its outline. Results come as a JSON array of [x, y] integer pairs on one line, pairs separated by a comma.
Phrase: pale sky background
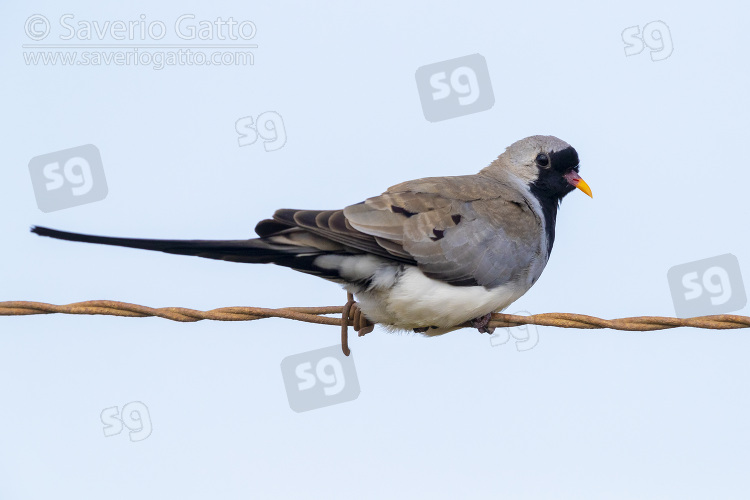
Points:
[[584, 414]]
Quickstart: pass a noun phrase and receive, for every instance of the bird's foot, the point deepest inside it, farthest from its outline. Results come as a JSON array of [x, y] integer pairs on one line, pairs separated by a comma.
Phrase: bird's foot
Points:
[[423, 329], [359, 322], [482, 322]]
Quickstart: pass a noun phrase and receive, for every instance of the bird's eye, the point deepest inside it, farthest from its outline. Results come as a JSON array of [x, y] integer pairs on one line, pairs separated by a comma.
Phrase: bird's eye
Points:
[[542, 160]]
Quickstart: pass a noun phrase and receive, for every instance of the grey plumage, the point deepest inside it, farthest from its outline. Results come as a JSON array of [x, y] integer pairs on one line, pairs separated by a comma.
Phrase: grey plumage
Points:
[[479, 221]]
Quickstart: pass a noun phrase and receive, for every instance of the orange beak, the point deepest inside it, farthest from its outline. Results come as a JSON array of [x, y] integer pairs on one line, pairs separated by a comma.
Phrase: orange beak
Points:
[[575, 180]]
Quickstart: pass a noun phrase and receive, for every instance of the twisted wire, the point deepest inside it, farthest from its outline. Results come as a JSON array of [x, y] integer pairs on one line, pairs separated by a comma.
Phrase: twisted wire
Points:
[[355, 318]]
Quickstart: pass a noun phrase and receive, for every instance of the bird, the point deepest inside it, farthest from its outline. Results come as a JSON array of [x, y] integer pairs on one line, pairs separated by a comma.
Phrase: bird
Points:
[[427, 255]]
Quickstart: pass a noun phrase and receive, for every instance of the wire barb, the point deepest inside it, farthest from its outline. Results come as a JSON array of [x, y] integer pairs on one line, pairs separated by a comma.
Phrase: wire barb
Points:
[[351, 315]]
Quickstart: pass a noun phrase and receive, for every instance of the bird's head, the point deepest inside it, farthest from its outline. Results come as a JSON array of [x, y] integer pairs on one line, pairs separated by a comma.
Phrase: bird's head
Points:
[[547, 165]]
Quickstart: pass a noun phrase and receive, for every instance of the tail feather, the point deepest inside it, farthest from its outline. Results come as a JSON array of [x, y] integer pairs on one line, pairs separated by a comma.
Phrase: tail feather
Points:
[[254, 251], [296, 251]]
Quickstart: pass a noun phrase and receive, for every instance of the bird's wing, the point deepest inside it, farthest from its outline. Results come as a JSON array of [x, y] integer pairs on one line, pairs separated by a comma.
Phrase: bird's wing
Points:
[[328, 231], [468, 230]]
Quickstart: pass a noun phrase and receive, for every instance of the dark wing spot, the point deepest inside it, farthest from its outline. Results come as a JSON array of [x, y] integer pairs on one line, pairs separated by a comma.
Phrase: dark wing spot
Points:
[[438, 234], [456, 218], [398, 210]]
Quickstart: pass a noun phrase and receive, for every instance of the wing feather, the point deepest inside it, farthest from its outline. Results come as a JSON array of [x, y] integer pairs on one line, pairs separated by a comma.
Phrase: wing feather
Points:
[[468, 230]]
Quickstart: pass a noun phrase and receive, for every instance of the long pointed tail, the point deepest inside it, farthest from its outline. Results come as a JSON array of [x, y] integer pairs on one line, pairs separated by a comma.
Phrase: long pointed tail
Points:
[[255, 250]]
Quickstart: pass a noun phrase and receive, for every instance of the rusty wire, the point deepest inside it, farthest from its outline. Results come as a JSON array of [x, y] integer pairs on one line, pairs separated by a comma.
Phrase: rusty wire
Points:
[[316, 315], [352, 316]]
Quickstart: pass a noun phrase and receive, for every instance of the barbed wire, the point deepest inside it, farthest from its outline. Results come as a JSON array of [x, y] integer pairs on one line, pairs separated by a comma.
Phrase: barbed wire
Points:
[[351, 316]]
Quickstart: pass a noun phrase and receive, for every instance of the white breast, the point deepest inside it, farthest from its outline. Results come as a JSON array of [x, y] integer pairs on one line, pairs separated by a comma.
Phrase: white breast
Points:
[[416, 301]]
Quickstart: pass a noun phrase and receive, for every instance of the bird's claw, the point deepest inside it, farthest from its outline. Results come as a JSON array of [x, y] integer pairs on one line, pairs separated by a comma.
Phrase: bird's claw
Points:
[[359, 322], [482, 323]]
